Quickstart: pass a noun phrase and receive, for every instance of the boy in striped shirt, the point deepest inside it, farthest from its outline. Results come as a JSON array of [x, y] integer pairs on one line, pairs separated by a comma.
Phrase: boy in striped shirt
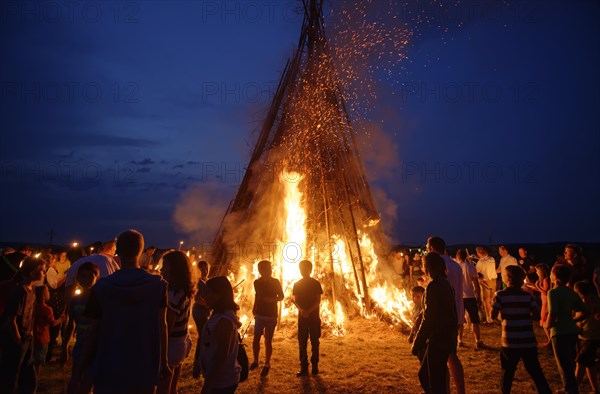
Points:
[[518, 309]]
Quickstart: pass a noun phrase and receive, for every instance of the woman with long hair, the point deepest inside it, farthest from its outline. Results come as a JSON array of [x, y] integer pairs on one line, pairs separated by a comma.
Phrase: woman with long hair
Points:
[[177, 273], [220, 339], [55, 281]]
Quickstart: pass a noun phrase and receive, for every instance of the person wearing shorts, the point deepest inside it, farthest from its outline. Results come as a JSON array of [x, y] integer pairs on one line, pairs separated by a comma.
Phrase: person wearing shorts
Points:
[[268, 293], [486, 266], [471, 297], [39, 355]]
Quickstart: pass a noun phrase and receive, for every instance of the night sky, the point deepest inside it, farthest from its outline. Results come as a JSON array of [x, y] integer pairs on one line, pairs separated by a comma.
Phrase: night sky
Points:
[[143, 114]]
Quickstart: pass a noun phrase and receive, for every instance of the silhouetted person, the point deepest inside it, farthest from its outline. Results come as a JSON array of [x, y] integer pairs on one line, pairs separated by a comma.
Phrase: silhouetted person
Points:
[[176, 272], [563, 302], [307, 297], [55, 281], [454, 276], [127, 337], [220, 339], [436, 336], [17, 372], [268, 293], [200, 312], [81, 379], [589, 336], [43, 320], [518, 309]]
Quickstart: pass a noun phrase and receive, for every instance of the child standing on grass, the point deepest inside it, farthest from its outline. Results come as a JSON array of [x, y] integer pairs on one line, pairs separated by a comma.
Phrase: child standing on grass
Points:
[[42, 321], [307, 297], [268, 293], [563, 302], [518, 309], [589, 336], [87, 274]]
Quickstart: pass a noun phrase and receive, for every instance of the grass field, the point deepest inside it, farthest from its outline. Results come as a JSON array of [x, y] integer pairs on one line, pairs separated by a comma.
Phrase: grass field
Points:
[[371, 358]]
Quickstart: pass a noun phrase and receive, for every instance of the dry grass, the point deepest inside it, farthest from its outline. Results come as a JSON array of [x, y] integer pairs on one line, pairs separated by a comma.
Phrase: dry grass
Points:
[[371, 358]]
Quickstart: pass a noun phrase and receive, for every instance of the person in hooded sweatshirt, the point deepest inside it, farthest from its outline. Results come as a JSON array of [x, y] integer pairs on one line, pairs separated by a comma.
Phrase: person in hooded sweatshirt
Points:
[[220, 341], [126, 342]]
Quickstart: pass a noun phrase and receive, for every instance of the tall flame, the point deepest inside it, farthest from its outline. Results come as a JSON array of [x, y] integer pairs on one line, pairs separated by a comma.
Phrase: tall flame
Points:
[[292, 248]]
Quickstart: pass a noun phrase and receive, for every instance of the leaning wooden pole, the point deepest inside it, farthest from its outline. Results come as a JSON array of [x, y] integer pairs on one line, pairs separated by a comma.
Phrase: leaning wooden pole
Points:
[[345, 231], [327, 229], [367, 299]]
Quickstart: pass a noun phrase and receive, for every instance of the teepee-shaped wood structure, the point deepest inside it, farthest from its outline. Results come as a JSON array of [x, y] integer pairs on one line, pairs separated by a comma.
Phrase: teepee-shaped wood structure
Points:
[[307, 139]]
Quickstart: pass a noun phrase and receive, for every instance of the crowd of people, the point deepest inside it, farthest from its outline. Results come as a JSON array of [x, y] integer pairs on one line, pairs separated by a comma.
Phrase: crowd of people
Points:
[[564, 299], [129, 310], [131, 321]]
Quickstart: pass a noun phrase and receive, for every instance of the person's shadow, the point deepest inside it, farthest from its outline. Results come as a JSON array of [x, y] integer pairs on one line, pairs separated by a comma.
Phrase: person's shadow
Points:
[[261, 385], [319, 384]]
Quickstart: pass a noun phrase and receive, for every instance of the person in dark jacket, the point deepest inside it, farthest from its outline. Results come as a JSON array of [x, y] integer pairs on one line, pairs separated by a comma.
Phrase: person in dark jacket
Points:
[[436, 337], [126, 341]]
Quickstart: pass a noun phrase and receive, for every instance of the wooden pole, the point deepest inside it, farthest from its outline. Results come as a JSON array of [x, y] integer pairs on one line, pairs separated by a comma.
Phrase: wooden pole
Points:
[[360, 259], [326, 207], [356, 280]]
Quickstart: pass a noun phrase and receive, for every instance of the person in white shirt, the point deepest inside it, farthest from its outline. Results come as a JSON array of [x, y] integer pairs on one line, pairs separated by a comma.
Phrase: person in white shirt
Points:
[[104, 260], [505, 260], [471, 297], [454, 276], [486, 266]]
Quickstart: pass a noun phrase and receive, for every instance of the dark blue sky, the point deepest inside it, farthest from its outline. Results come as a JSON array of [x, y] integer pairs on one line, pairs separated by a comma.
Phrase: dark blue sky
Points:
[[142, 114]]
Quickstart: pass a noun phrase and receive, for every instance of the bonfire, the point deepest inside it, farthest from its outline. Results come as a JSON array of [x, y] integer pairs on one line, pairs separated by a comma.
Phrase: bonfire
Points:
[[305, 196]]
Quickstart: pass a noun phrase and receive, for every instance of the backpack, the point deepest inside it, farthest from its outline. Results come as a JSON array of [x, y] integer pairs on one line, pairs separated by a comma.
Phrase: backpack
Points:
[[242, 359]]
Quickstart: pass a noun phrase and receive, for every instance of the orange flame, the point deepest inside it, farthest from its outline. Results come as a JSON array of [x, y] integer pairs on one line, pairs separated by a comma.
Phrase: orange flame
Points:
[[292, 247]]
